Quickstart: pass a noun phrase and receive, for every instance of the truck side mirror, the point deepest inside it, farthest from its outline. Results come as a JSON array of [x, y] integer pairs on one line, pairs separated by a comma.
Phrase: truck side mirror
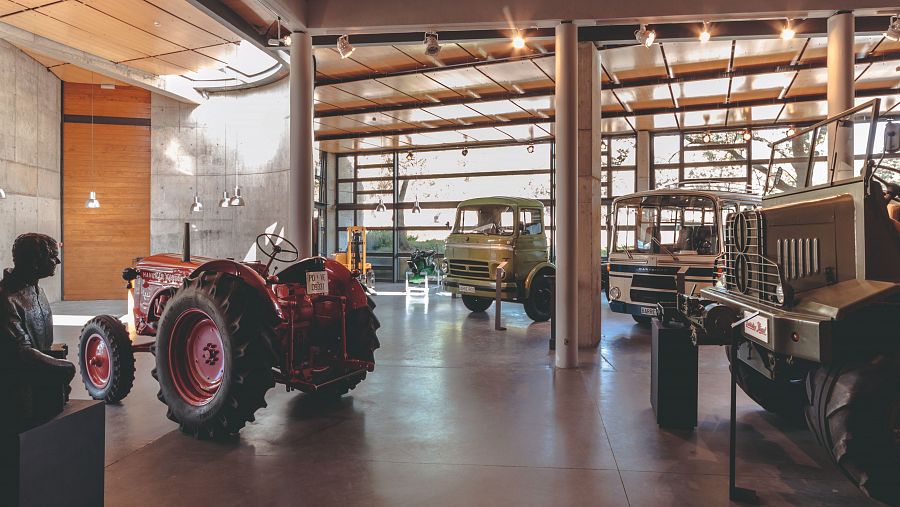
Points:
[[892, 137]]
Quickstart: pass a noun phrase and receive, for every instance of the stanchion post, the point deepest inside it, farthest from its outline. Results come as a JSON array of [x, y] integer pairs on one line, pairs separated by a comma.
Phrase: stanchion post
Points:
[[736, 493], [552, 279], [498, 297]]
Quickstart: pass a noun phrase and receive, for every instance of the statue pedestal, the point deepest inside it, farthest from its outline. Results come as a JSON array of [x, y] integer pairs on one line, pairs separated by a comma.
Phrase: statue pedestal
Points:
[[57, 463], [673, 376]]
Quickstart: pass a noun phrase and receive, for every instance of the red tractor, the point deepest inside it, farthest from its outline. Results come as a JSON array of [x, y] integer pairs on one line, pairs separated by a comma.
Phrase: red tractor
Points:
[[225, 332]]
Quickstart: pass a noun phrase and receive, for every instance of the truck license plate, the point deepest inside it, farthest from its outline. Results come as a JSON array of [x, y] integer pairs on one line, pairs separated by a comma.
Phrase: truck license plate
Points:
[[317, 282], [757, 327], [468, 289], [648, 310]]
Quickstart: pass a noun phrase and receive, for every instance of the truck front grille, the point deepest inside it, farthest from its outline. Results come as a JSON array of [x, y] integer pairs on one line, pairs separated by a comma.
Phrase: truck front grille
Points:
[[469, 269], [651, 296], [798, 257], [747, 269]]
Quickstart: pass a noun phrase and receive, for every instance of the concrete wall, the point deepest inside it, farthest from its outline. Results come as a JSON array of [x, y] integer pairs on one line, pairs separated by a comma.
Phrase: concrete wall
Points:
[[29, 153], [188, 155]]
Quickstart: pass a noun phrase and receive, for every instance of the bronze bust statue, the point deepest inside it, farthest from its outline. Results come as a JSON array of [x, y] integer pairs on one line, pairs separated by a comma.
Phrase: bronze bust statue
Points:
[[34, 379]]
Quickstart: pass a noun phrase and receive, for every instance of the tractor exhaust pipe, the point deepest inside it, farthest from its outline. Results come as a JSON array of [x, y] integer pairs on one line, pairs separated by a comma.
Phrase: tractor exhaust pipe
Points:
[[186, 254]]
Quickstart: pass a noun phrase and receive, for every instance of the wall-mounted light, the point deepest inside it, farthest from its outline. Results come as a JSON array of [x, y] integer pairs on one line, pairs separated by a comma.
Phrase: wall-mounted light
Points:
[[788, 32], [704, 35], [417, 208], [196, 206], [432, 46], [344, 47], [644, 36], [237, 199], [380, 207], [893, 31]]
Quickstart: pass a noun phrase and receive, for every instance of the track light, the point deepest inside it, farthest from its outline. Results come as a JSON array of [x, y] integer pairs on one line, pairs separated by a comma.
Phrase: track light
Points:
[[530, 148], [465, 151], [92, 202], [432, 46], [791, 131], [747, 135], [518, 41], [225, 200], [893, 31], [410, 156], [704, 35], [644, 36], [707, 137], [787, 33], [380, 207], [416, 207], [280, 41], [344, 47], [237, 199], [196, 206]]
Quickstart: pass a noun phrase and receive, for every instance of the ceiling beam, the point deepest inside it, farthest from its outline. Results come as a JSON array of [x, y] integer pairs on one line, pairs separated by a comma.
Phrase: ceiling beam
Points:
[[463, 99], [426, 131], [226, 17], [175, 87]]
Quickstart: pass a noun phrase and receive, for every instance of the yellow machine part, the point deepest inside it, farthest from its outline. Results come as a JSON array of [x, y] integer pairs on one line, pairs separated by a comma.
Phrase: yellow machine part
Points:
[[347, 258]]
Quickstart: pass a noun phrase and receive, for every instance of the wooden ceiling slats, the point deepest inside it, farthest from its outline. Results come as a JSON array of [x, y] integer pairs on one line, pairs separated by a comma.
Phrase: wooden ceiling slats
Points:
[[77, 38], [194, 16], [191, 60], [150, 18]]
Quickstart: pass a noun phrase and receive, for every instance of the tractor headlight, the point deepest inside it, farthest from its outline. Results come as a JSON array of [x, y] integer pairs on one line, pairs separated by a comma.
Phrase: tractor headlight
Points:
[[779, 294], [615, 293]]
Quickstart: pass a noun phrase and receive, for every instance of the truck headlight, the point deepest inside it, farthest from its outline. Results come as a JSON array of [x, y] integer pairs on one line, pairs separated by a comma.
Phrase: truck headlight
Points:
[[779, 294], [615, 293]]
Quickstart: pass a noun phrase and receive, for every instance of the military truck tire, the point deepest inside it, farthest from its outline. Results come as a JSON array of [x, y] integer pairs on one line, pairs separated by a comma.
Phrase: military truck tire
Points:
[[106, 359], [854, 412], [642, 319], [214, 355], [783, 398], [540, 299], [477, 304]]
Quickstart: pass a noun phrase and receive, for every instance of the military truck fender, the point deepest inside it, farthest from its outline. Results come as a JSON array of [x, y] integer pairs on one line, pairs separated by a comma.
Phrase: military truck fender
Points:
[[843, 298], [534, 271]]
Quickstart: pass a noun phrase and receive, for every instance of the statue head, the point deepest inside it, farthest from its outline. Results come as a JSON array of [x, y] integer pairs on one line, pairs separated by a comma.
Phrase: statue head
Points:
[[35, 256]]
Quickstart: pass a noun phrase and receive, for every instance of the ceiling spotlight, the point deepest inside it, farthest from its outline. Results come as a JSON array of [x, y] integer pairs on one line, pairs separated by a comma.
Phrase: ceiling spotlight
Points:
[[432, 46], [644, 36], [530, 148], [465, 151], [704, 35], [280, 41], [344, 47], [380, 207], [416, 207], [410, 156], [791, 131], [237, 199], [225, 200], [747, 135], [518, 41], [196, 206], [893, 31], [707, 137], [92, 202], [787, 33]]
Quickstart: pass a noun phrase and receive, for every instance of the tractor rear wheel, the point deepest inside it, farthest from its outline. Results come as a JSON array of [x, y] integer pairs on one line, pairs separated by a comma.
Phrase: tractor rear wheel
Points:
[[106, 359], [538, 305], [477, 304], [854, 411], [782, 397], [214, 355]]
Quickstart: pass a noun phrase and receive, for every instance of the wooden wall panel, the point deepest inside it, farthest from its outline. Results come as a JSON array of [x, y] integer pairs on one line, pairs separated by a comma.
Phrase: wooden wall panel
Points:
[[121, 102], [99, 243]]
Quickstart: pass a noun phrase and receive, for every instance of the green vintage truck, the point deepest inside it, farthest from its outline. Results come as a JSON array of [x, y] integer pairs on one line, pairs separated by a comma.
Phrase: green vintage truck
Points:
[[500, 231]]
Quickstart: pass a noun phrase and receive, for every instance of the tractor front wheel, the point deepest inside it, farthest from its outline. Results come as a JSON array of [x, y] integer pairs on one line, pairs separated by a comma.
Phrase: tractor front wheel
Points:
[[214, 355], [477, 304], [538, 305], [106, 359], [854, 411]]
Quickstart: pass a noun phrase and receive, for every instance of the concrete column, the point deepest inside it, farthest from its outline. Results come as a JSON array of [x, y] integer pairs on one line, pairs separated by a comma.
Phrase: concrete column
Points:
[[300, 193], [566, 195], [590, 167], [642, 160], [840, 92]]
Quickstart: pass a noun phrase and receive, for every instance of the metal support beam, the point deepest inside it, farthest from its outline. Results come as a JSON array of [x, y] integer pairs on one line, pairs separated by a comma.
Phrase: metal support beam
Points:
[[567, 195], [840, 93], [174, 87], [302, 169], [226, 17]]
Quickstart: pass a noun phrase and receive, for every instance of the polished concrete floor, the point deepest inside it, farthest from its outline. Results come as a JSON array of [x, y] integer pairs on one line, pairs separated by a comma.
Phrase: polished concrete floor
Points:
[[459, 414]]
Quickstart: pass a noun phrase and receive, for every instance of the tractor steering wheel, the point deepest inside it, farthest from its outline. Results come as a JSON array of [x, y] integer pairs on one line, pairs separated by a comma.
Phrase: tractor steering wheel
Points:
[[289, 250]]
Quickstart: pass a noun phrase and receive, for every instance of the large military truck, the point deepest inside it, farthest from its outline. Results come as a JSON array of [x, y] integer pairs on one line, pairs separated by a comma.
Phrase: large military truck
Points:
[[504, 232], [810, 297]]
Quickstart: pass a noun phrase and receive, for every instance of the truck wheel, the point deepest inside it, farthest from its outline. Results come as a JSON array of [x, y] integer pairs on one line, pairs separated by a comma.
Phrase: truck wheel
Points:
[[106, 359], [214, 355], [782, 397], [477, 304], [855, 415], [540, 299], [642, 319]]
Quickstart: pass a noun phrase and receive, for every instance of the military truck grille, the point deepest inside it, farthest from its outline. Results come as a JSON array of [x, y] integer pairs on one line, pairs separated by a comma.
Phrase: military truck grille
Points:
[[798, 257], [469, 269], [747, 269]]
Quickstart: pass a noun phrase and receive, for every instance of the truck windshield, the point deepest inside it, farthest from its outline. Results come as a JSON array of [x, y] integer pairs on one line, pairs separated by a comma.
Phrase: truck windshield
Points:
[[490, 219], [661, 224]]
